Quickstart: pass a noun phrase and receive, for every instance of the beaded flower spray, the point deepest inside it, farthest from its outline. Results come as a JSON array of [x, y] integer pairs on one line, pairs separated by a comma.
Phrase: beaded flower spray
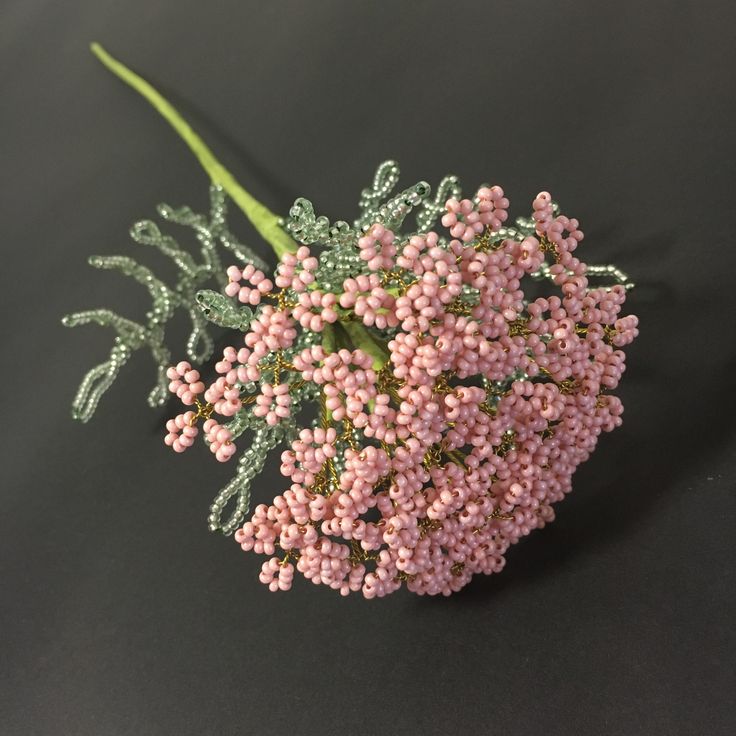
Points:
[[451, 411]]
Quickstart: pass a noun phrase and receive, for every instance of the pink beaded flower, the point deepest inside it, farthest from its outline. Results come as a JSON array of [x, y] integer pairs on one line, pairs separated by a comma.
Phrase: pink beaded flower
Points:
[[430, 409], [255, 287], [452, 411], [185, 382]]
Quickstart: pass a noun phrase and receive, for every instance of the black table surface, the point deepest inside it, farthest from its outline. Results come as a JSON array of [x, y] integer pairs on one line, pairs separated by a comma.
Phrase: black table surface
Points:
[[121, 614]]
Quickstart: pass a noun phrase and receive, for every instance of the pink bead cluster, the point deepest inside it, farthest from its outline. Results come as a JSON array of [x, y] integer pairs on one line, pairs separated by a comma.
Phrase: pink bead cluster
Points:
[[427, 464], [186, 384]]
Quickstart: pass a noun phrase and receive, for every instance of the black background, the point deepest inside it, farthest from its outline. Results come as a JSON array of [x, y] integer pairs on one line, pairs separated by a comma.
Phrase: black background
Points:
[[121, 614]]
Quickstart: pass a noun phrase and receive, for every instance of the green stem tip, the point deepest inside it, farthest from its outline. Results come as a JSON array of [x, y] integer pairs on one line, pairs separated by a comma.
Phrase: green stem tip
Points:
[[264, 221]]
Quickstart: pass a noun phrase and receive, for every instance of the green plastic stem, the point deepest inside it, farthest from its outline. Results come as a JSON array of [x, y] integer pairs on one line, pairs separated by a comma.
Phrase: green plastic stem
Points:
[[264, 221]]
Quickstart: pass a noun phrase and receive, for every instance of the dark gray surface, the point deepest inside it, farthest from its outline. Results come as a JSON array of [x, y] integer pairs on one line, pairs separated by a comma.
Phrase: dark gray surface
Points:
[[121, 614]]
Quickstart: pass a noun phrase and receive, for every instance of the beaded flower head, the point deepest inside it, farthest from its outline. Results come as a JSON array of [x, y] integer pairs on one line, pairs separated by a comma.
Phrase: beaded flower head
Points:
[[430, 411]]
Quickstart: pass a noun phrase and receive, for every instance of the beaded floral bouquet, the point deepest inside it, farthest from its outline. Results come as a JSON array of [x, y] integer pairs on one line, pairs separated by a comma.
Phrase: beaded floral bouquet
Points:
[[429, 414]]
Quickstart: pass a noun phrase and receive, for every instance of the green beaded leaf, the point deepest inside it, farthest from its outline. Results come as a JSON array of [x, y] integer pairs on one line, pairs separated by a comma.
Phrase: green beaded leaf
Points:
[[223, 516], [430, 210], [221, 311], [304, 225], [250, 464], [192, 274], [307, 228], [377, 206], [384, 181]]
